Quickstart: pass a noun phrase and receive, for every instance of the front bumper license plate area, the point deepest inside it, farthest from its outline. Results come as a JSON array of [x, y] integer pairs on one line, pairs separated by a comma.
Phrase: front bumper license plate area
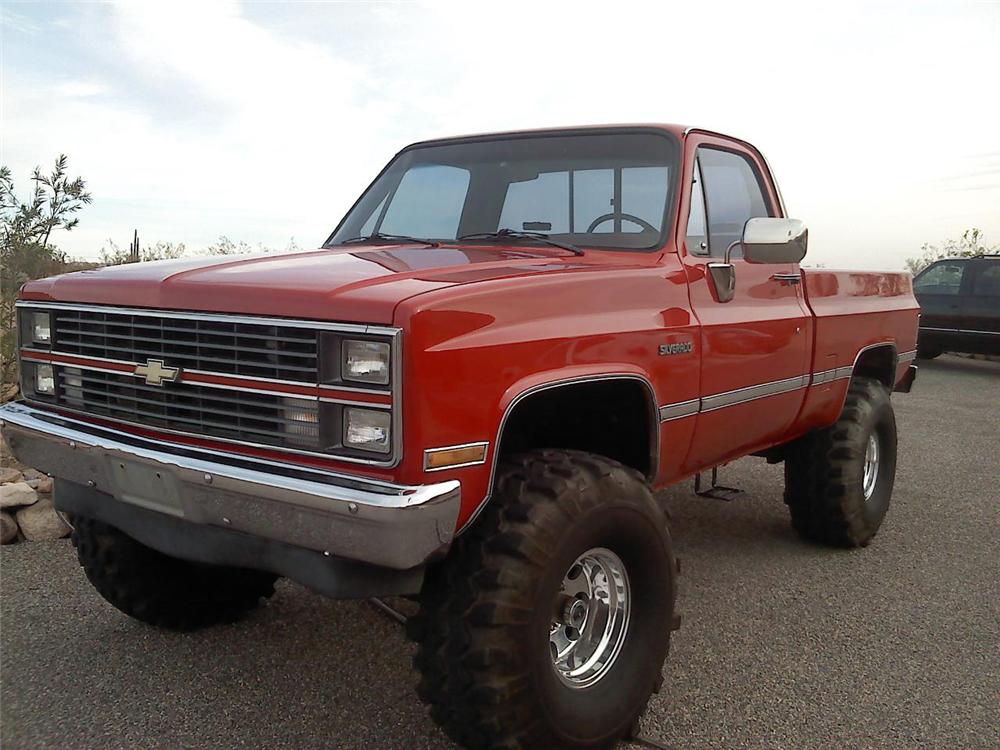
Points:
[[145, 485], [383, 524]]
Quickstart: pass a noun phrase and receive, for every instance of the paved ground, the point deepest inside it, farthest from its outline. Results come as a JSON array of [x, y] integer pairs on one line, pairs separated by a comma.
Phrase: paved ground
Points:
[[783, 645]]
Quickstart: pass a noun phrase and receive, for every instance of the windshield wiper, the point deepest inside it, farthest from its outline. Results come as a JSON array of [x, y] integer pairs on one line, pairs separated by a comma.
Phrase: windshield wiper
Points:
[[516, 234], [380, 237]]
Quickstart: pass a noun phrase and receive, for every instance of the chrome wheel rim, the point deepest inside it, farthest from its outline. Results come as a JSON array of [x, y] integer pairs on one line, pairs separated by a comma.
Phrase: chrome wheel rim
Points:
[[590, 619], [871, 466]]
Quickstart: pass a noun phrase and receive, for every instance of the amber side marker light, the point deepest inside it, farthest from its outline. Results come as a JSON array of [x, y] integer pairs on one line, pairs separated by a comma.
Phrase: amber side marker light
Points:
[[455, 456]]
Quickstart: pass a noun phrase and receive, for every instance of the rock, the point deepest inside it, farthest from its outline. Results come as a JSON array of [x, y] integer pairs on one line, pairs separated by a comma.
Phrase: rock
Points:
[[44, 484], [19, 493], [9, 474], [8, 528], [40, 521], [30, 474]]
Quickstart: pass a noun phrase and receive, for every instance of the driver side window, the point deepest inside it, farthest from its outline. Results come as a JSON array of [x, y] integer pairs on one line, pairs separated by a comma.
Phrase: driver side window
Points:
[[941, 278], [733, 195]]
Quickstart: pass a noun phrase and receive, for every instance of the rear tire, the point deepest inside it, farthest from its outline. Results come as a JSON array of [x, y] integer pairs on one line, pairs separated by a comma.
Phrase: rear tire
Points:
[[500, 665], [830, 488], [161, 590]]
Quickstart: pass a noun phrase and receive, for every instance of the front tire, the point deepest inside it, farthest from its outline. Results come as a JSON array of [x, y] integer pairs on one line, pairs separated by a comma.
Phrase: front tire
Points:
[[838, 481], [572, 551], [161, 590]]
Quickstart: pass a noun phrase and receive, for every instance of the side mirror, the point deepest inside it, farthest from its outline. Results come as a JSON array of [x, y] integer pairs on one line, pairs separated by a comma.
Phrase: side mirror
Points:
[[767, 240]]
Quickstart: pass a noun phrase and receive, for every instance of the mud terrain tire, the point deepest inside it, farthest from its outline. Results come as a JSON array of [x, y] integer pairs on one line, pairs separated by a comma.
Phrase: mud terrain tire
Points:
[[489, 612], [825, 471], [161, 590]]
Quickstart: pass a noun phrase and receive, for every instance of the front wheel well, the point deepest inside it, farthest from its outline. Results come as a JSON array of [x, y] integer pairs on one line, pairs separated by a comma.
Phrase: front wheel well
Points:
[[613, 417]]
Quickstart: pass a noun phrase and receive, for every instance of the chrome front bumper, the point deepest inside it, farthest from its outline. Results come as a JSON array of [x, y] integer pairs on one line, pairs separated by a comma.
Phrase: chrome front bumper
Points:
[[341, 515]]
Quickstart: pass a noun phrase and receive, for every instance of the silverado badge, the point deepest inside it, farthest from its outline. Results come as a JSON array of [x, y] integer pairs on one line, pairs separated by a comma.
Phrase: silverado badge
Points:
[[156, 373], [683, 347]]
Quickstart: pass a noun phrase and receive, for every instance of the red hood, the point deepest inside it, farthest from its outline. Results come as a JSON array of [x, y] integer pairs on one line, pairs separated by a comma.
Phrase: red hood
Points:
[[361, 285]]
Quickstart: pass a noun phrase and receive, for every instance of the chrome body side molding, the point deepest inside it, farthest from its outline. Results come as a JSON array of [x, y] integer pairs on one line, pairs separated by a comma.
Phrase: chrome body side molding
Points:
[[716, 401], [679, 410], [753, 392]]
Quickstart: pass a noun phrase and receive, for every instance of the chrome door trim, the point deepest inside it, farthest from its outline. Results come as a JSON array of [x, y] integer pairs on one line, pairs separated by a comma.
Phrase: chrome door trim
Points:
[[825, 376], [753, 392], [744, 395]]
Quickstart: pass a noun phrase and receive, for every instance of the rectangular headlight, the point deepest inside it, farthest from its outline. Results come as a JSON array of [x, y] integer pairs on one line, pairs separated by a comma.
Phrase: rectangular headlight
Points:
[[45, 380], [367, 429], [365, 361], [39, 328]]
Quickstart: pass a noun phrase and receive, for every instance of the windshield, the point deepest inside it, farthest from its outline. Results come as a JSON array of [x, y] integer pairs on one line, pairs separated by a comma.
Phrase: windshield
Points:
[[608, 190]]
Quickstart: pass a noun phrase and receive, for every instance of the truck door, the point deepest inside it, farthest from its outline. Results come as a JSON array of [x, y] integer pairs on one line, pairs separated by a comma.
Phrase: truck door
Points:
[[755, 348], [980, 307], [938, 289]]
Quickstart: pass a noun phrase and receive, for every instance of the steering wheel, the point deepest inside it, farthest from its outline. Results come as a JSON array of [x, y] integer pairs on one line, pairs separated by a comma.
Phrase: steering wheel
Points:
[[646, 226]]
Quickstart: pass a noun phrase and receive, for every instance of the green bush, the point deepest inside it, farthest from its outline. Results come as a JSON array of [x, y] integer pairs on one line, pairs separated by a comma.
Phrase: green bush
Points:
[[26, 252]]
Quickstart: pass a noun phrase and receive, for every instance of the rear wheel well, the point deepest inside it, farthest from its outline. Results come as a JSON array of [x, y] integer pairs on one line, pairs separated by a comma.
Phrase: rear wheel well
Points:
[[878, 362], [614, 417]]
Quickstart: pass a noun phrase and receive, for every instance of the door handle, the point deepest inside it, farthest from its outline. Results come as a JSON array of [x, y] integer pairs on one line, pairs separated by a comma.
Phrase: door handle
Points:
[[787, 278]]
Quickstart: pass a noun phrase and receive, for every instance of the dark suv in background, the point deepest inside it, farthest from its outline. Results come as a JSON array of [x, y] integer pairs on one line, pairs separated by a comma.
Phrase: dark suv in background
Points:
[[960, 306]]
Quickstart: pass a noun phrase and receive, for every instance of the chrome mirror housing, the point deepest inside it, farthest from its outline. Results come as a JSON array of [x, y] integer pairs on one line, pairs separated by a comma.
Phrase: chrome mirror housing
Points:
[[770, 240]]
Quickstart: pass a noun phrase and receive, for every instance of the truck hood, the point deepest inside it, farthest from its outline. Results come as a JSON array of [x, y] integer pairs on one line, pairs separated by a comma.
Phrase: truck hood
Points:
[[356, 285]]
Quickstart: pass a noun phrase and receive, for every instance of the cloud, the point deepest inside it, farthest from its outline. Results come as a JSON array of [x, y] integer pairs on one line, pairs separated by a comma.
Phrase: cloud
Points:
[[263, 121], [80, 89], [17, 22]]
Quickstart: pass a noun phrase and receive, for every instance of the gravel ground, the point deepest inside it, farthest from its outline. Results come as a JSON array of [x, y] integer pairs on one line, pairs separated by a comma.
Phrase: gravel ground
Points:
[[783, 645]]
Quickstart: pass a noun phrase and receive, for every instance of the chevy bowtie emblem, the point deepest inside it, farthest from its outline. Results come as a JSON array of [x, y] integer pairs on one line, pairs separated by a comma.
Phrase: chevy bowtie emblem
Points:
[[156, 373]]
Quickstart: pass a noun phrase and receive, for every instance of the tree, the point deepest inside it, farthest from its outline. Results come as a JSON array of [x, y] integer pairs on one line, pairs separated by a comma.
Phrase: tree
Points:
[[113, 255], [54, 200], [226, 246], [25, 230], [970, 245]]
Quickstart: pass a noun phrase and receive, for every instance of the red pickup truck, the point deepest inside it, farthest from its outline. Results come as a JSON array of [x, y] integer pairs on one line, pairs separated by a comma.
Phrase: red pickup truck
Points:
[[468, 396]]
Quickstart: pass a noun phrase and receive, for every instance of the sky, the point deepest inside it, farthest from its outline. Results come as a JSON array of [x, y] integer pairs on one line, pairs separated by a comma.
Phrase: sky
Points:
[[264, 121]]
